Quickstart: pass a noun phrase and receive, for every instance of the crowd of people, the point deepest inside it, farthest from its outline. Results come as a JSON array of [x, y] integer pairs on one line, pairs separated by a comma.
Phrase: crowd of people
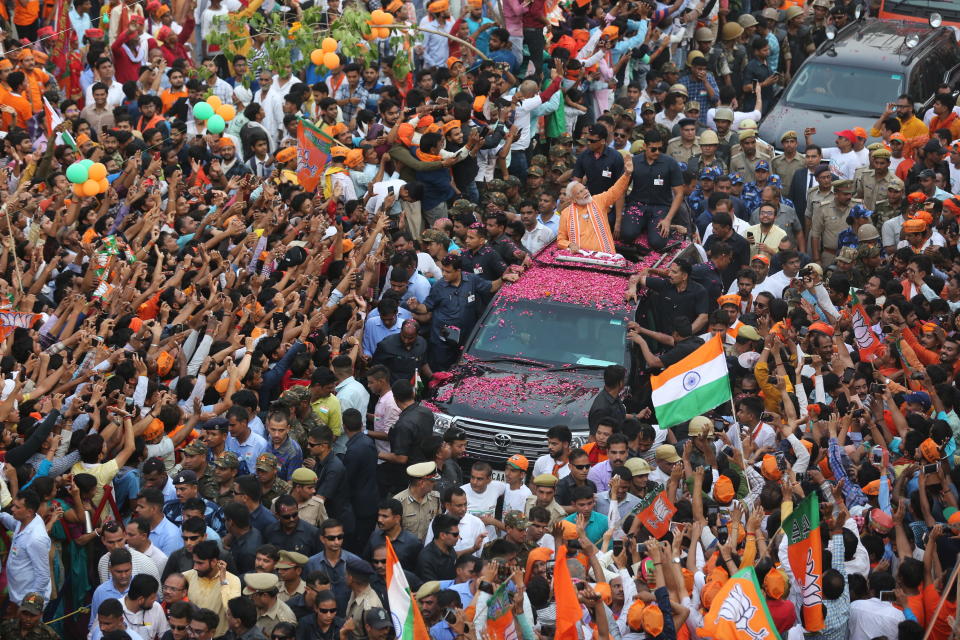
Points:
[[213, 422]]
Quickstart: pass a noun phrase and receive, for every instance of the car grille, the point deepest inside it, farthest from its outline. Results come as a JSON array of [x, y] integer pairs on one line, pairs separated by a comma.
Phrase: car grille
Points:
[[495, 442]]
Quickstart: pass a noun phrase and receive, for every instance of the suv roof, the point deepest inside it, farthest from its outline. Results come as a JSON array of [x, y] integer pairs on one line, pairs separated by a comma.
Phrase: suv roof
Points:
[[875, 44]]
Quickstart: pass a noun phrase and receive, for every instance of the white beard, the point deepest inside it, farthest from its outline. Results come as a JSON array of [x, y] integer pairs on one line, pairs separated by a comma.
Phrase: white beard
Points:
[[584, 201]]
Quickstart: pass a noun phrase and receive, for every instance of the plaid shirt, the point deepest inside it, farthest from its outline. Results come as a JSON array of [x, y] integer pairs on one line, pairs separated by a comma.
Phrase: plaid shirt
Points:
[[343, 93], [697, 91]]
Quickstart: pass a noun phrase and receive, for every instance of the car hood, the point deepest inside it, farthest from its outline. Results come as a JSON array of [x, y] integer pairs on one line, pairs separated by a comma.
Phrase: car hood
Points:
[[783, 118], [511, 394]]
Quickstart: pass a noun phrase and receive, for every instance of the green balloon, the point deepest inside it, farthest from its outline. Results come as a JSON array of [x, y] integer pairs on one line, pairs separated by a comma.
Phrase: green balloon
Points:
[[216, 124], [77, 173], [202, 111], [87, 163]]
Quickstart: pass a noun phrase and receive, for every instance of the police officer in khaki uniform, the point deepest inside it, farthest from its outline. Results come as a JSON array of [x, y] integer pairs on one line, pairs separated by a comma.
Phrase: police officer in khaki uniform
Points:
[[820, 194], [303, 487], [745, 161], [544, 495], [828, 221], [264, 589], [362, 597], [290, 569], [683, 148], [872, 184], [420, 502], [787, 164]]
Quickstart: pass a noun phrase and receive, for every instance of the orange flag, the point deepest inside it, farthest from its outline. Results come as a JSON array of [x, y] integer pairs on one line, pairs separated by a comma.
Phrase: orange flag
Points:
[[806, 560], [739, 611], [568, 605], [656, 515]]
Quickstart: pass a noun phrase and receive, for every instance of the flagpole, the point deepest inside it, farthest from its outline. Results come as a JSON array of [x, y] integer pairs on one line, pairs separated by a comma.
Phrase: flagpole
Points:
[[739, 445]]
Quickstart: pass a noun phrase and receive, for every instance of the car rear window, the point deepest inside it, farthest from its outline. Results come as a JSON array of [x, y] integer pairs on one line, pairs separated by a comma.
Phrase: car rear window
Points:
[[843, 89]]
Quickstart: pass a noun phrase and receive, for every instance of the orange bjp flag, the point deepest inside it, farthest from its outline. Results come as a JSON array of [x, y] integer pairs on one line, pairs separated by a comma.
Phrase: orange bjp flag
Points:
[[656, 515], [568, 605], [739, 611]]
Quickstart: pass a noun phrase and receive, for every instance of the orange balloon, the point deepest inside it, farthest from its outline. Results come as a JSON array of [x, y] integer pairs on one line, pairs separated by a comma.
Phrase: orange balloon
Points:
[[104, 185], [97, 172], [214, 102], [316, 57], [382, 33], [91, 188], [227, 111], [329, 45], [78, 190], [331, 60], [377, 16]]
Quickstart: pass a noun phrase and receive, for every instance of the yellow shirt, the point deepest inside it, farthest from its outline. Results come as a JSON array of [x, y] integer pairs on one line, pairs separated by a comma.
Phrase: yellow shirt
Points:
[[104, 473], [910, 129], [327, 411], [208, 593]]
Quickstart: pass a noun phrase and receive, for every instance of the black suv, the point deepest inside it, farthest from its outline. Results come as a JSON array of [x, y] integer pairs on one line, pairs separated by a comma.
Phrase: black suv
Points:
[[869, 63]]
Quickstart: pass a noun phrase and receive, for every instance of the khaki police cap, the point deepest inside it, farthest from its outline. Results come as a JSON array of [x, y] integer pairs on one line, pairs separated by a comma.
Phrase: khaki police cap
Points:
[[638, 467], [304, 476], [545, 480], [428, 589], [423, 470], [291, 559], [260, 582]]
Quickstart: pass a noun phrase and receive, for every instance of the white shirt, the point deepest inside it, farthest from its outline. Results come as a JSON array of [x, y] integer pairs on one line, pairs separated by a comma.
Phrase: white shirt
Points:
[[384, 417], [142, 563], [522, 122], [537, 239], [872, 618], [149, 624], [774, 284], [485, 504], [28, 564], [763, 435], [159, 557], [470, 527], [740, 226], [845, 164], [115, 94], [516, 499], [954, 178], [890, 231], [436, 49], [738, 117], [546, 463], [661, 118]]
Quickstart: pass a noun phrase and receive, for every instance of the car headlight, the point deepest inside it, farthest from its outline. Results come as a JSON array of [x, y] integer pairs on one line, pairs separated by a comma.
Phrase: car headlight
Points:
[[578, 441], [442, 422]]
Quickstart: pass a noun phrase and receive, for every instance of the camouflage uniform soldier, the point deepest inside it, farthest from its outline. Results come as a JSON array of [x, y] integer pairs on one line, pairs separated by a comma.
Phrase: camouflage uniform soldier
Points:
[[302, 419], [225, 471], [28, 625], [272, 486]]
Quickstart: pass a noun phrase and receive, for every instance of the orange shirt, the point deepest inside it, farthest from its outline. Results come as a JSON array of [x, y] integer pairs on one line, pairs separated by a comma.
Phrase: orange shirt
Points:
[[168, 97], [941, 627], [594, 453], [26, 15], [20, 105], [37, 80]]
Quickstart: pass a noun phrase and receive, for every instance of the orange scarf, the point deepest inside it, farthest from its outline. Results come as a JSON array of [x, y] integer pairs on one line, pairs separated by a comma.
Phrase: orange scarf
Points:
[[428, 157]]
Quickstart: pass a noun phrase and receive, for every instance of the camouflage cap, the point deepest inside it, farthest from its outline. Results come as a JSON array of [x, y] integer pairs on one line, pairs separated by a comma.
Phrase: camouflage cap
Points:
[[563, 138], [535, 171], [868, 251], [616, 110], [515, 520], [460, 206], [669, 67], [512, 181], [32, 603], [295, 395], [196, 448], [538, 160], [557, 152], [496, 185], [227, 460], [267, 462], [559, 166], [847, 254], [498, 198], [435, 235]]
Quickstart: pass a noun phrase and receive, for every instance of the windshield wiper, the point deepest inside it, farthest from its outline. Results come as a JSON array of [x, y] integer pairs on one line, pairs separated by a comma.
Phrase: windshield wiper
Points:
[[511, 359], [575, 367]]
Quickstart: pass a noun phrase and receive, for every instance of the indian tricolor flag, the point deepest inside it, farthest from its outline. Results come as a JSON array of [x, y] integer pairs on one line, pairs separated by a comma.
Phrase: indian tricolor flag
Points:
[[407, 621], [696, 384]]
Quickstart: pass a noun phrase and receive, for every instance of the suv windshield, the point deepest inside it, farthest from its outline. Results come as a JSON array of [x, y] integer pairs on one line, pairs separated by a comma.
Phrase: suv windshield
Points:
[[553, 333], [948, 9], [842, 89]]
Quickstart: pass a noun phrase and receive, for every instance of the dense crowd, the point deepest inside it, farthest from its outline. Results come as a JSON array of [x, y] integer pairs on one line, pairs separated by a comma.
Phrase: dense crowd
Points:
[[218, 361]]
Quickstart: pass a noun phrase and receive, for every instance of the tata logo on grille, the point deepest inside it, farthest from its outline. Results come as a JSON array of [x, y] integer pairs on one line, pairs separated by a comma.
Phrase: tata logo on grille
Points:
[[502, 440]]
